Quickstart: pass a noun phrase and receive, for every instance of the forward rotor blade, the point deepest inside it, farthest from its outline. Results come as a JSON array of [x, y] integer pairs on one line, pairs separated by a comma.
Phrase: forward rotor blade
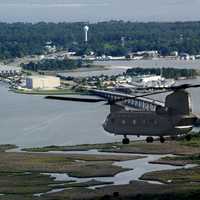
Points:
[[140, 96], [178, 87], [76, 99], [194, 86]]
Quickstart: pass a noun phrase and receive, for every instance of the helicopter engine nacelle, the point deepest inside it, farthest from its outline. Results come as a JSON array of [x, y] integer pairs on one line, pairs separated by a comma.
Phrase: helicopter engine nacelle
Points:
[[161, 110], [116, 108]]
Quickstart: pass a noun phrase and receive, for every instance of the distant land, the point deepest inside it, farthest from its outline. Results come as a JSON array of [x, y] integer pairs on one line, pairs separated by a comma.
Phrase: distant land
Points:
[[96, 10], [104, 38]]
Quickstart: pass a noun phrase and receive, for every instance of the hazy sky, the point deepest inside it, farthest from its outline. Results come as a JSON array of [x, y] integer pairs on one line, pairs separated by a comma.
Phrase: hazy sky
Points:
[[99, 10]]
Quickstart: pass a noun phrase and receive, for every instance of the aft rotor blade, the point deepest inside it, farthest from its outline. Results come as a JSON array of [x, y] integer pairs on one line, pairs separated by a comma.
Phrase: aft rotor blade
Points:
[[76, 99]]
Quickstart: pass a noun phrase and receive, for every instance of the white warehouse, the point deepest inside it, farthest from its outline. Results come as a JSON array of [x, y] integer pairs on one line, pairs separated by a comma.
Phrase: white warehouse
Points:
[[42, 82]]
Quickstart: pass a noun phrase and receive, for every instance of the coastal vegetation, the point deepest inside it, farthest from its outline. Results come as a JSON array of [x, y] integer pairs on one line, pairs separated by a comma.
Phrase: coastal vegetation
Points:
[[54, 65], [174, 73], [194, 142], [135, 147], [74, 165], [25, 184], [26, 175], [179, 184], [179, 175], [20, 39], [65, 91], [5, 147]]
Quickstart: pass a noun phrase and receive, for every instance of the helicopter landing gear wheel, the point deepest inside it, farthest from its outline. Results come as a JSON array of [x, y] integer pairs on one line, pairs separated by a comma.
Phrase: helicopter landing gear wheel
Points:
[[149, 139], [162, 139], [188, 137], [125, 140]]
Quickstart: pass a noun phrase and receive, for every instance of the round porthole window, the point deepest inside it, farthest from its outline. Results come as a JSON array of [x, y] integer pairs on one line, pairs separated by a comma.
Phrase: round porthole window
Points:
[[134, 122]]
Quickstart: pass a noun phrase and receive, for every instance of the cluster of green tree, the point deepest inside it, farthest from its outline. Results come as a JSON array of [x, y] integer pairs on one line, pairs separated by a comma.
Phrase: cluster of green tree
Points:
[[53, 65], [165, 72], [19, 39]]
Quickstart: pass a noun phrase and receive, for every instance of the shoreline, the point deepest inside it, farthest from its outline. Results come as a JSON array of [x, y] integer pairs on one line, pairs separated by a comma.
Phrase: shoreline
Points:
[[46, 92]]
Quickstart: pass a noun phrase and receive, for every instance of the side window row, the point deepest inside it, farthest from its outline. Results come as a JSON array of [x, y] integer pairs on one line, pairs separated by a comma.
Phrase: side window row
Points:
[[144, 122], [135, 122]]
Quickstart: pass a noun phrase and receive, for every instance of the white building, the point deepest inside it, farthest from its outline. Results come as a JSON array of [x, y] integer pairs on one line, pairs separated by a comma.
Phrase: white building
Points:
[[153, 53], [147, 78], [9, 70], [124, 79], [152, 81], [174, 53], [42, 82], [184, 56]]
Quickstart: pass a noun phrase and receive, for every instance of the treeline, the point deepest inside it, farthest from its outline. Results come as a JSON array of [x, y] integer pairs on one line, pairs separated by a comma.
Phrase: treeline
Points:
[[165, 72], [53, 65], [19, 39]]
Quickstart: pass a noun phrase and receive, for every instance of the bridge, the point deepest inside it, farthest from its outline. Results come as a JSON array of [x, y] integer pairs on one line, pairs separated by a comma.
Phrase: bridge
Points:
[[143, 103]]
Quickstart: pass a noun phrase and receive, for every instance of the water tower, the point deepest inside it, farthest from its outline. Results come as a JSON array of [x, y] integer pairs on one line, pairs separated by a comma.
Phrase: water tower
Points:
[[123, 41], [86, 29]]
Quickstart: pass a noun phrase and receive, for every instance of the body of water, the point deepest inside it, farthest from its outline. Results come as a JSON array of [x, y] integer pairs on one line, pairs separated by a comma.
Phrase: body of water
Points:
[[195, 64], [34, 121], [137, 168], [30, 121], [120, 66], [107, 71]]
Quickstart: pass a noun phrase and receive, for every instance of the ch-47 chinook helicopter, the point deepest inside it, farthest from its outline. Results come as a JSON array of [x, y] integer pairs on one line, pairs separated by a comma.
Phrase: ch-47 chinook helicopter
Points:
[[172, 118]]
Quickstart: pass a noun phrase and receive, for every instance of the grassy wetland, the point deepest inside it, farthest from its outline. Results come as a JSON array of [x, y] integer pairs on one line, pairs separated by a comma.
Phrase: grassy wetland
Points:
[[135, 147], [27, 174]]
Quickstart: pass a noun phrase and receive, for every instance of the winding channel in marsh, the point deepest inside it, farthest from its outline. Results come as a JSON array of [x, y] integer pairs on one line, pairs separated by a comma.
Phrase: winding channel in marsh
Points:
[[137, 168]]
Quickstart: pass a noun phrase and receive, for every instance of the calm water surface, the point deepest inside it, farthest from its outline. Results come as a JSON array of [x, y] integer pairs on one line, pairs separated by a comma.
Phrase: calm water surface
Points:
[[153, 63], [34, 121]]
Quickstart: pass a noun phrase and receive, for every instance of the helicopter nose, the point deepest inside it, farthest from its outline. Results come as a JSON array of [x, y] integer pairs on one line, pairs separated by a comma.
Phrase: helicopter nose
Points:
[[197, 122], [104, 125]]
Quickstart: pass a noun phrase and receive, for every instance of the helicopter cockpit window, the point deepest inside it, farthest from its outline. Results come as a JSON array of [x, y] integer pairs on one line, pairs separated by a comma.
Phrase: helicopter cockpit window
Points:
[[112, 120]]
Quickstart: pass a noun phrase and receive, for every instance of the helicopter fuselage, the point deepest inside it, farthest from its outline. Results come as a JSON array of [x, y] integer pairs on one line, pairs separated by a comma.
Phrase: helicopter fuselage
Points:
[[147, 123], [141, 116]]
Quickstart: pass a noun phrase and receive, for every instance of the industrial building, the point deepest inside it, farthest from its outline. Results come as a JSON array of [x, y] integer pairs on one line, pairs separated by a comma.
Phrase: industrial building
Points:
[[42, 82]]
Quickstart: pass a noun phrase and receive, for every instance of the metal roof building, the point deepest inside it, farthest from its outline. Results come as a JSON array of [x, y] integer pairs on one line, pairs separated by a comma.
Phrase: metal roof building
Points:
[[9, 70]]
